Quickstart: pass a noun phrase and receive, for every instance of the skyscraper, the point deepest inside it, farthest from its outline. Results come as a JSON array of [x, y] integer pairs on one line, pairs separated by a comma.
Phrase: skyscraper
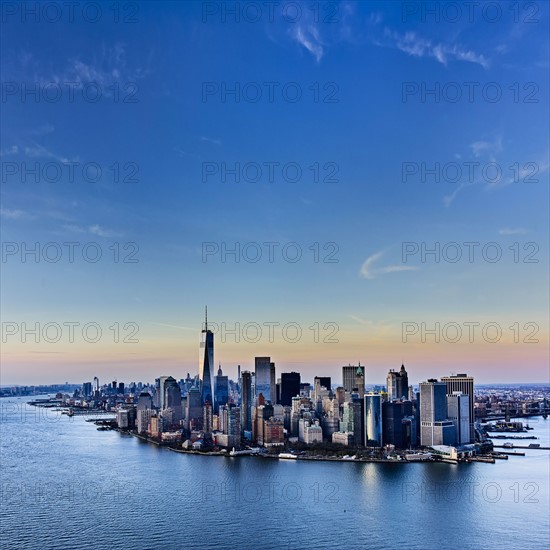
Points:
[[246, 400], [172, 398], [393, 429], [206, 363], [464, 384], [221, 390], [397, 384], [458, 410], [290, 387], [373, 420], [265, 378], [435, 429], [354, 379]]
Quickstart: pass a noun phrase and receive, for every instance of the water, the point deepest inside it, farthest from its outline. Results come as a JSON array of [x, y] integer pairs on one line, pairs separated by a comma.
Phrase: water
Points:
[[65, 484]]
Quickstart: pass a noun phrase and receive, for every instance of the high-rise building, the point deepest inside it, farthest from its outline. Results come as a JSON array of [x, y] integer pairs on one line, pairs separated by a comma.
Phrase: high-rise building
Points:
[[397, 384], [464, 384], [393, 429], [290, 387], [172, 398], [373, 420], [265, 378], [221, 390], [435, 428], [354, 379], [358, 419], [159, 392], [458, 411], [246, 400], [206, 363], [194, 411]]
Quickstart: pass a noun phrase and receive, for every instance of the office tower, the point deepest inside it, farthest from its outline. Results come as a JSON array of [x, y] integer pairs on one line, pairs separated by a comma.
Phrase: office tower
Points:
[[403, 384], [172, 398], [354, 379], [435, 429], [397, 384], [194, 411], [393, 429], [358, 420], [87, 389], [144, 410], [290, 387], [458, 411], [346, 424], [206, 363], [264, 375], [272, 384], [159, 392], [121, 388], [373, 420], [246, 400], [464, 384], [221, 390], [340, 395]]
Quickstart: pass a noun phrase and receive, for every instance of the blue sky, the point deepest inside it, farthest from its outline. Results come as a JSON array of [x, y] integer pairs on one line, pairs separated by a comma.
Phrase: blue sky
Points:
[[167, 60]]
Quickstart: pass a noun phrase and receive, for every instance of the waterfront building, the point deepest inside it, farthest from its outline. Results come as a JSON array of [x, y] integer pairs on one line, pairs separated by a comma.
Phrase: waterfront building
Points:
[[373, 420], [312, 432], [464, 384], [273, 433], [343, 438], [394, 431], [458, 411], [435, 428], [246, 400]]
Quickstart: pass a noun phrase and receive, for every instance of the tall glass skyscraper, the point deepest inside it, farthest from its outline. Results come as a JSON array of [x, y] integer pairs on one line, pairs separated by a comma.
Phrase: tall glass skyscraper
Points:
[[206, 363], [373, 420]]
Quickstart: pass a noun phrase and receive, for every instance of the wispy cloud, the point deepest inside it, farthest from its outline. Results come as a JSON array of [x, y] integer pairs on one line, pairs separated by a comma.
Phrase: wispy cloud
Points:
[[210, 140], [39, 151], [8, 151], [369, 271], [15, 214], [308, 36], [513, 231], [102, 232], [417, 46], [489, 148]]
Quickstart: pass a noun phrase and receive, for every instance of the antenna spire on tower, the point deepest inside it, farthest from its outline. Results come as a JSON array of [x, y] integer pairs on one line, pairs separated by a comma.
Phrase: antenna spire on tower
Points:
[[206, 317]]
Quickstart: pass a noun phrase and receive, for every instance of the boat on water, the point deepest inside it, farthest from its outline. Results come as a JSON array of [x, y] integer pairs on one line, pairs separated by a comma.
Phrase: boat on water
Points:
[[418, 456], [508, 445], [287, 456], [244, 452]]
